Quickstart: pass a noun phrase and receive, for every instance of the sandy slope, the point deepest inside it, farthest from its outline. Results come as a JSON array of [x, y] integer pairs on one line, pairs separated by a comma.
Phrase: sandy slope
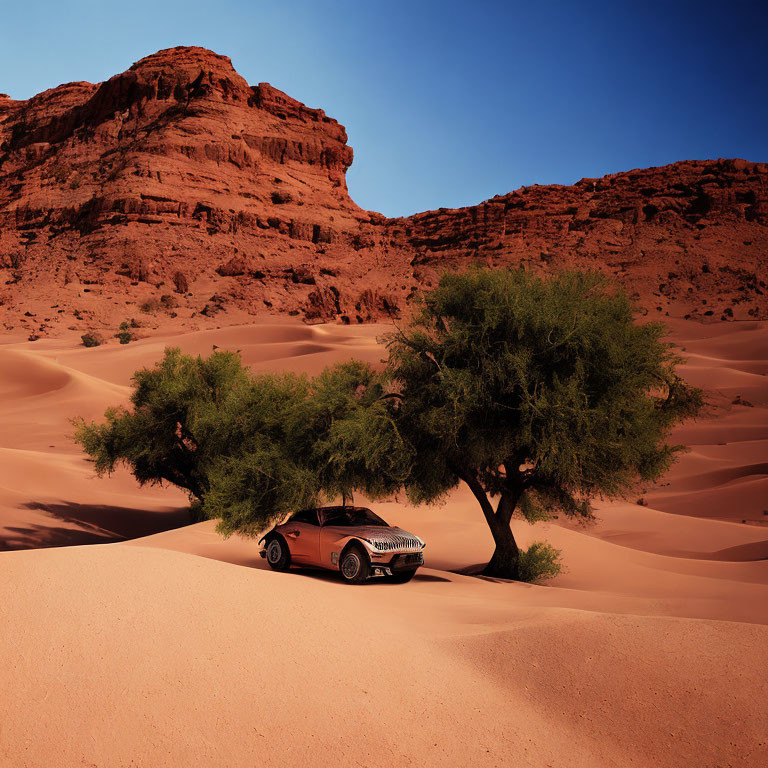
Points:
[[179, 648]]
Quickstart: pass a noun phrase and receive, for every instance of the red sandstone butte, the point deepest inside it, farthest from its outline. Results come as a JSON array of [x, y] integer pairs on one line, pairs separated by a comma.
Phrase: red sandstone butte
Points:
[[177, 187]]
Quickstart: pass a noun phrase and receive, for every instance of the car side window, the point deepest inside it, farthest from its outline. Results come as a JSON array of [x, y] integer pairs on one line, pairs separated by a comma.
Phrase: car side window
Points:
[[305, 516]]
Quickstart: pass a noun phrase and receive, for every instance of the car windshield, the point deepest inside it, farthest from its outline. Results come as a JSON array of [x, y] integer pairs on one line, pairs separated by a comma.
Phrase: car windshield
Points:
[[349, 516]]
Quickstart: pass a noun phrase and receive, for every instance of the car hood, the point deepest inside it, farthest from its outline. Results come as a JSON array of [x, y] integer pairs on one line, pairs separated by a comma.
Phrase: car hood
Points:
[[396, 538]]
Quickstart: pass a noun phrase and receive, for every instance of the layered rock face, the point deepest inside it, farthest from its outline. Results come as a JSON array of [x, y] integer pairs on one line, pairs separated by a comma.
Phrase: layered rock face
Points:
[[689, 238], [177, 188]]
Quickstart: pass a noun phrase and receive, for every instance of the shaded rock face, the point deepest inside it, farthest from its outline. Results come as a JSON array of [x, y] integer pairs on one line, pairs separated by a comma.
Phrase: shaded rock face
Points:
[[177, 176]]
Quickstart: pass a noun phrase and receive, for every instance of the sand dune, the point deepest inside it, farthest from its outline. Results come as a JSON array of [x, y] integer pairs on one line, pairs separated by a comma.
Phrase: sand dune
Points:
[[180, 648]]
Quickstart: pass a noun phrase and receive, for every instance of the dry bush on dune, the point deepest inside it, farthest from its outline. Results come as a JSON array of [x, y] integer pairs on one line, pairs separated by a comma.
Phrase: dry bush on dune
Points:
[[92, 339]]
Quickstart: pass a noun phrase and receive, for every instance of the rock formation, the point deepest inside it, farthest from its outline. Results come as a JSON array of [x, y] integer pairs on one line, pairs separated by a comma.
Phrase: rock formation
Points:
[[177, 177]]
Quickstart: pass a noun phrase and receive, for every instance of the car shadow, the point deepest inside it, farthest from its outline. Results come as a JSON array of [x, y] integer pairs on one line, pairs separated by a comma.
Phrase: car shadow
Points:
[[322, 574], [429, 577]]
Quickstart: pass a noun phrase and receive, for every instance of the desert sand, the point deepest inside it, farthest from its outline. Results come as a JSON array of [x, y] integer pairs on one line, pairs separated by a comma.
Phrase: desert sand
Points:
[[130, 638]]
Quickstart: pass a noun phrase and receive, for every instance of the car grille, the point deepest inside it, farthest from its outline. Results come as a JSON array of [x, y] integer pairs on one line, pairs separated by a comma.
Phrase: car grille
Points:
[[395, 543]]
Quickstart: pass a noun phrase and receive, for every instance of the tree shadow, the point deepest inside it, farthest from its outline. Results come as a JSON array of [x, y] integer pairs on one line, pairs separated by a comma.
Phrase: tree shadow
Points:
[[89, 524], [476, 571], [35, 536]]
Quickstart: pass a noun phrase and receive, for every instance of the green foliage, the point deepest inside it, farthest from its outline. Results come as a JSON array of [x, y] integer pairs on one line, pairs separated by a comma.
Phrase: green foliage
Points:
[[542, 393], [333, 435], [346, 430], [511, 376], [173, 405], [541, 561], [124, 334], [250, 491]]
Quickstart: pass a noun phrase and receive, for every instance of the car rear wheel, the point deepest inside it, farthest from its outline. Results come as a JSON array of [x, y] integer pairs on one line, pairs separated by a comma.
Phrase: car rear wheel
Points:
[[401, 577], [354, 565], [278, 554]]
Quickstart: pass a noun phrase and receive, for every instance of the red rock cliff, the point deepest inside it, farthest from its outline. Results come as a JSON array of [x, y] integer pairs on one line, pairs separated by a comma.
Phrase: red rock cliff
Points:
[[178, 187]]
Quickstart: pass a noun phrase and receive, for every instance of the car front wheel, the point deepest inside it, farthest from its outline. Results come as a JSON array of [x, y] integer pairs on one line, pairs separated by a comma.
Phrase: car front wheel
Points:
[[278, 554], [354, 565]]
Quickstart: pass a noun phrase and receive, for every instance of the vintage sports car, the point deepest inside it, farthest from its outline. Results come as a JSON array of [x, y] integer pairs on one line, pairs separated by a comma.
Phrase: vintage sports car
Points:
[[352, 540]]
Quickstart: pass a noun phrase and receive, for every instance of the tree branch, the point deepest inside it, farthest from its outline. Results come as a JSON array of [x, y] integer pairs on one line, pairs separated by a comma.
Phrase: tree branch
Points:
[[477, 489]]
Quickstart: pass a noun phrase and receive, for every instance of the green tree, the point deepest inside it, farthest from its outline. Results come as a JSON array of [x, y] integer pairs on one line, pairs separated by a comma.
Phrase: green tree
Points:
[[189, 417], [538, 393], [249, 449]]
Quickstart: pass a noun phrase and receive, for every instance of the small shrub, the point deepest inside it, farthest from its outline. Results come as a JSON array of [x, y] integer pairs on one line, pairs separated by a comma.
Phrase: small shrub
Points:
[[124, 335], [539, 562], [92, 339], [150, 305]]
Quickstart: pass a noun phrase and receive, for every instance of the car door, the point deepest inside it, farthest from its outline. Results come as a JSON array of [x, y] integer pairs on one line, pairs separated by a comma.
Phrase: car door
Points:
[[333, 536], [303, 535]]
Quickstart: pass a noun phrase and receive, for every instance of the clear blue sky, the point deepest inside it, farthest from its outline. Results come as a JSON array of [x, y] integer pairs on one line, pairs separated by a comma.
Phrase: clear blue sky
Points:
[[450, 103]]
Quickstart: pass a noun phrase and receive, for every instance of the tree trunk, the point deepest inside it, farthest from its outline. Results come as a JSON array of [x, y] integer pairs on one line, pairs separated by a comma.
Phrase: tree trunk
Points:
[[506, 557]]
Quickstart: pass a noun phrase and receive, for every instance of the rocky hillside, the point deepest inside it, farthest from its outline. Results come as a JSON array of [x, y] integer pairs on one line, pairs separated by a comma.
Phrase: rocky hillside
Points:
[[176, 193]]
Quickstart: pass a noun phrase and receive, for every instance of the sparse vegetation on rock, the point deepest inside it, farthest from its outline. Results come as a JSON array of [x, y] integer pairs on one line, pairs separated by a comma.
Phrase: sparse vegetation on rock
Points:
[[702, 221], [166, 302]]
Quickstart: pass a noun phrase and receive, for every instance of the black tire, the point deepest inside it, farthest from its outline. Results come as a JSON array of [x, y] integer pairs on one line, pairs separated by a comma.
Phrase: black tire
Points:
[[354, 565], [402, 577], [278, 554]]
